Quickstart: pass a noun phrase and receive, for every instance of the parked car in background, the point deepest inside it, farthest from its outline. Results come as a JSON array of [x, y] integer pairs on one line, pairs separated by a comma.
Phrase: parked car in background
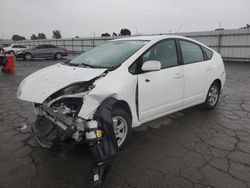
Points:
[[12, 49], [2, 46], [43, 51]]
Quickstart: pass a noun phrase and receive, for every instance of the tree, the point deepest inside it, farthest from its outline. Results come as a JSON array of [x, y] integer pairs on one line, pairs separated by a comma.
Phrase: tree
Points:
[[125, 32], [56, 34], [114, 34], [105, 35], [41, 36], [246, 26], [17, 37], [33, 37]]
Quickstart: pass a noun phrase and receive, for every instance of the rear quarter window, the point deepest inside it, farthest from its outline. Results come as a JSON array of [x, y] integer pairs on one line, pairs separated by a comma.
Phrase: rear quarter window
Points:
[[208, 53]]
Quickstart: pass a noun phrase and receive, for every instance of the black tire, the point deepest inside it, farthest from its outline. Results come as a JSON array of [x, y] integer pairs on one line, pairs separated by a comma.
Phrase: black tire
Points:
[[213, 96], [58, 55], [123, 115], [27, 57]]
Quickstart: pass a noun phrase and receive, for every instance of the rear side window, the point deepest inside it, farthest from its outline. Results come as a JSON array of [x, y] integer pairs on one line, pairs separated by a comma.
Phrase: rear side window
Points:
[[208, 53], [191, 52], [20, 46], [51, 46]]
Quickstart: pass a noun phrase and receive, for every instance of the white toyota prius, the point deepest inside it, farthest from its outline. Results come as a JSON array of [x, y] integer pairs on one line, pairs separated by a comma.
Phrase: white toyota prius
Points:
[[147, 76]]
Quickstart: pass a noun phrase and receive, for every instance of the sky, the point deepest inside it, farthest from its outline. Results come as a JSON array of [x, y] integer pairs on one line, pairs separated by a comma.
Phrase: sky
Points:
[[88, 18]]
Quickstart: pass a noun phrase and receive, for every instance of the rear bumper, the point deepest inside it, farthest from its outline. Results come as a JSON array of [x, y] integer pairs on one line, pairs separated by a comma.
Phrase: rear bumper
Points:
[[223, 80]]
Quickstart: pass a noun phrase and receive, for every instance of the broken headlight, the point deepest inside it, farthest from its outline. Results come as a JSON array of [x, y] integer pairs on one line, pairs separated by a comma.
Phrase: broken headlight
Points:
[[73, 89]]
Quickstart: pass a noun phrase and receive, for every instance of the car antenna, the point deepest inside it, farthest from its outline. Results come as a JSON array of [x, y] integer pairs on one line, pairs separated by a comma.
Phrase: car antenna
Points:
[[178, 30]]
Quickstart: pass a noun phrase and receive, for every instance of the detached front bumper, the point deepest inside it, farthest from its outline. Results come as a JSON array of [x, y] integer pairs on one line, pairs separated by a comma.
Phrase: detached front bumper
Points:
[[48, 133]]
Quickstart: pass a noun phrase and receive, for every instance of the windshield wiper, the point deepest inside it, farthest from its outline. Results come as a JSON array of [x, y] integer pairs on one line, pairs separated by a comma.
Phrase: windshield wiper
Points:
[[91, 66]]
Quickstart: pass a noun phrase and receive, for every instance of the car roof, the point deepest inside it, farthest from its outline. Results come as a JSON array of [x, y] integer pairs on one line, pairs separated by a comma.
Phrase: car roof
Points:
[[149, 37]]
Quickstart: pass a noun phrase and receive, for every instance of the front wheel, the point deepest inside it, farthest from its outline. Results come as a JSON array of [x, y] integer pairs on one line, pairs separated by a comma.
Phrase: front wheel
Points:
[[122, 126], [212, 96], [27, 57]]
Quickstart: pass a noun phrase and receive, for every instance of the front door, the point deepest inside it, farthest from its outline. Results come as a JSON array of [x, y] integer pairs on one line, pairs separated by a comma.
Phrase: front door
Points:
[[160, 92]]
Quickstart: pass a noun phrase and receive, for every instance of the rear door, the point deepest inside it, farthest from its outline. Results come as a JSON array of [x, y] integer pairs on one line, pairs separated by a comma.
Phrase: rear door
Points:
[[15, 48], [51, 50], [160, 92], [197, 77], [40, 51]]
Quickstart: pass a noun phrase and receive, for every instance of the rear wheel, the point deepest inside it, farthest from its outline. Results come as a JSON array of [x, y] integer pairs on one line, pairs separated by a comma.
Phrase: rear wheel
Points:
[[212, 96], [11, 53], [58, 55], [122, 126]]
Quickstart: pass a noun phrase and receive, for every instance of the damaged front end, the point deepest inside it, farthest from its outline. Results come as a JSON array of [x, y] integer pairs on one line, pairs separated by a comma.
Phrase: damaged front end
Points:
[[58, 120], [57, 117]]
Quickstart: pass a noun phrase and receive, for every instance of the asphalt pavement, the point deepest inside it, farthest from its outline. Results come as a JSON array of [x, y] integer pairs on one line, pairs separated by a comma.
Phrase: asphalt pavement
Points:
[[191, 148]]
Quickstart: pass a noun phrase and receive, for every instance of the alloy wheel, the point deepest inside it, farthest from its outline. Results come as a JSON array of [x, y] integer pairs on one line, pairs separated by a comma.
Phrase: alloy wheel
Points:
[[213, 95], [120, 129]]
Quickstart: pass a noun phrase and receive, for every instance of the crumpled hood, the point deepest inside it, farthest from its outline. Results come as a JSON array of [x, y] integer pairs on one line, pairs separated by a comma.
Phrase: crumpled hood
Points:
[[43, 83]]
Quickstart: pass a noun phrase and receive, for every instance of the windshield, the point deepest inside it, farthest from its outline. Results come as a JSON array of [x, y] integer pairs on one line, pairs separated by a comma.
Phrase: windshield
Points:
[[108, 55]]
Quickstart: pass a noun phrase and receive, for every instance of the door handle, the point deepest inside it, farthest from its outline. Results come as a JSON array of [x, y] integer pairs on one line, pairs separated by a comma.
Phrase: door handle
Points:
[[178, 75], [147, 80]]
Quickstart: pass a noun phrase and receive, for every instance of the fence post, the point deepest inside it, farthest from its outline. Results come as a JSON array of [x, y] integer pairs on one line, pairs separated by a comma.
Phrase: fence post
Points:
[[93, 42], [82, 44], [219, 42], [73, 51]]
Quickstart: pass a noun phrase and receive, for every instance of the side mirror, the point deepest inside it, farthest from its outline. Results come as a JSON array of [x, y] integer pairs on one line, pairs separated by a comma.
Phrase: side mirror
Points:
[[151, 66]]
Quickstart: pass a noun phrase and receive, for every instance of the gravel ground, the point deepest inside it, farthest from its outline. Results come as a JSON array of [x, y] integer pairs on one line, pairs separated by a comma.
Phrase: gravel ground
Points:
[[191, 148]]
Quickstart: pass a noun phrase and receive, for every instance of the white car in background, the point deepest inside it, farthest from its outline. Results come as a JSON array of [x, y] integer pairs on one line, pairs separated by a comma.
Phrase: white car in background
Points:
[[12, 49], [148, 77]]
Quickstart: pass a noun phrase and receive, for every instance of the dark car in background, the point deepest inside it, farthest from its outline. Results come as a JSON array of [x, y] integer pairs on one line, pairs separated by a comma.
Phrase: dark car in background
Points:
[[43, 51]]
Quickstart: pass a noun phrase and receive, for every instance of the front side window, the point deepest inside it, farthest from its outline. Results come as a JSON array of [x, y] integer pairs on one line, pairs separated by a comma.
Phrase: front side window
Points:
[[165, 52], [191, 52], [108, 55]]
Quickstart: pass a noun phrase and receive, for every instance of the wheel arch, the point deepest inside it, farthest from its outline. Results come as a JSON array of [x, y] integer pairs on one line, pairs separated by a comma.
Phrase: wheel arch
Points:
[[58, 53], [10, 52], [123, 105], [218, 81]]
